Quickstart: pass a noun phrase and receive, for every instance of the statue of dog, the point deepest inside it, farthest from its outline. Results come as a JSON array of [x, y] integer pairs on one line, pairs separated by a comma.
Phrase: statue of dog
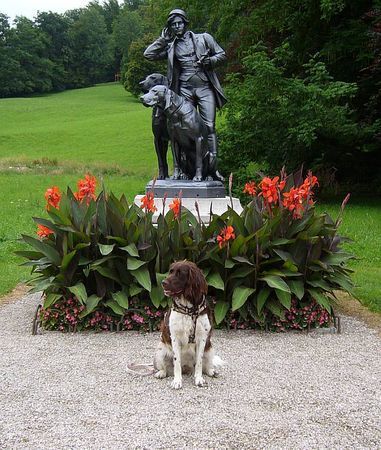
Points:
[[188, 132], [159, 124]]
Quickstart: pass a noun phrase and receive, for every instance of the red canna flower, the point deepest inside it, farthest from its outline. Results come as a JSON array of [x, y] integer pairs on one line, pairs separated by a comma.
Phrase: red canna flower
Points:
[[43, 231], [306, 188], [53, 197], [250, 189], [148, 202], [311, 180], [270, 188], [293, 201], [86, 188], [225, 236], [176, 207]]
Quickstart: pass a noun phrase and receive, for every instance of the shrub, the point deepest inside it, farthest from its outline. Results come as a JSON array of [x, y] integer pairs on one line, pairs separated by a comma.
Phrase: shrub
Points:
[[136, 67], [278, 119], [100, 261]]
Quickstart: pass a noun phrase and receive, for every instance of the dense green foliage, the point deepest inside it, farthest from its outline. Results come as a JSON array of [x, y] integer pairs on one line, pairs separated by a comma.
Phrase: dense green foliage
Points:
[[105, 254], [279, 120], [138, 67]]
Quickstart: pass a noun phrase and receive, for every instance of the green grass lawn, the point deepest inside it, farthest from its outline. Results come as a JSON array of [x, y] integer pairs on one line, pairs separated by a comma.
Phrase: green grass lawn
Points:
[[55, 139], [362, 224]]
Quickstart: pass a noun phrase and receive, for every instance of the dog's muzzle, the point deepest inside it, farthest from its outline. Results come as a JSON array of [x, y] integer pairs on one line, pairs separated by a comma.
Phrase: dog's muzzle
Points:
[[148, 100]]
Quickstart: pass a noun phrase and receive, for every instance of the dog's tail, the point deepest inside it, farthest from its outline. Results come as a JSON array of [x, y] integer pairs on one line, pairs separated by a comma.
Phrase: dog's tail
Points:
[[218, 363], [143, 370]]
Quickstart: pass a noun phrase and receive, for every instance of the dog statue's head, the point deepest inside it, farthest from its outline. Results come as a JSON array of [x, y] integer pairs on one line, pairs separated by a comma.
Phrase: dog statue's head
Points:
[[187, 280], [153, 80], [157, 96]]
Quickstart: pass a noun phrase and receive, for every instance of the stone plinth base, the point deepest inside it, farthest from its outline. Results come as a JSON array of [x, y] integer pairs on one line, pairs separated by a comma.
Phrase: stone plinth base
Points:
[[188, 189], [218, 205]]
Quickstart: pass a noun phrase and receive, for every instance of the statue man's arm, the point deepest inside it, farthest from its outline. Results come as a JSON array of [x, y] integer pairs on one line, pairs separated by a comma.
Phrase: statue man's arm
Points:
[[216, 54], [157, 50]]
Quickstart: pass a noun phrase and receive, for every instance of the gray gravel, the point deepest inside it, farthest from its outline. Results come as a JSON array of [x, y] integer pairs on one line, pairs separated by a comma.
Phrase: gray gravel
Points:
[[279, 391]]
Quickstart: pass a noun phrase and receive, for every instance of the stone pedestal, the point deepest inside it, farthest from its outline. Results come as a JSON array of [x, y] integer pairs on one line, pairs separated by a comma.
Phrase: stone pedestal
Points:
[[218, 205], [188, 189], [210, 195]]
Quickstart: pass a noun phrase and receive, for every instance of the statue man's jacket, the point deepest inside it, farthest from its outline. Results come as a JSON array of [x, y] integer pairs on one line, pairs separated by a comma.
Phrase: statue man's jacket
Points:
[[204, 45]]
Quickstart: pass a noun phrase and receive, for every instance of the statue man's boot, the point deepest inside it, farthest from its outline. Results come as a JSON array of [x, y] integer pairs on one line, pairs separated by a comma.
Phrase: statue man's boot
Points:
[[212, 146]]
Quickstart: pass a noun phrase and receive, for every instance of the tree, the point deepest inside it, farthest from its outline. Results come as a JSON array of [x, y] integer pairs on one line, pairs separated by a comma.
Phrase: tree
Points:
[[90, 56], [138, 67], [279, 120], [128, 27], [110, 10], [31, 67], [56, 27]]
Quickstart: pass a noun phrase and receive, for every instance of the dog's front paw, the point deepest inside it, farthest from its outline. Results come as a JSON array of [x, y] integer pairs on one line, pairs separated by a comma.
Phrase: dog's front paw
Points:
[[199, 381], [176, 384], [176, 174], [160, 374], [212, 373]]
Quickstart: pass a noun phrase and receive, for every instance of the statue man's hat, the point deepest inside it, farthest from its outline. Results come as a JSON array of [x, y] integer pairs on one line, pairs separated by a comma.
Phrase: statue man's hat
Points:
[[177, 12]]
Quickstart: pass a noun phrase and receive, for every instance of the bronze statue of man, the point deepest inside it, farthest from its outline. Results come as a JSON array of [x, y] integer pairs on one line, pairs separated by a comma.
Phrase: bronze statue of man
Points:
[[191, 62]]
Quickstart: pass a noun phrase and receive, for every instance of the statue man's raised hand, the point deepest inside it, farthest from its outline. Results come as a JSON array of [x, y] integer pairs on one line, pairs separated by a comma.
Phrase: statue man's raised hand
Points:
[[167, 34]]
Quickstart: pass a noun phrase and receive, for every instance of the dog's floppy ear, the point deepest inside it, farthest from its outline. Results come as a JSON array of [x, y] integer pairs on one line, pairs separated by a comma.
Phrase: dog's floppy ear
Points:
[[164, 80], [196, 287], [168, 98]]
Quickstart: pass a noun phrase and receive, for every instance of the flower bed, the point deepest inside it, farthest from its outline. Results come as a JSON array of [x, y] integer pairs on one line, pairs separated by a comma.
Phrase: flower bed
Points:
[[100, 261]]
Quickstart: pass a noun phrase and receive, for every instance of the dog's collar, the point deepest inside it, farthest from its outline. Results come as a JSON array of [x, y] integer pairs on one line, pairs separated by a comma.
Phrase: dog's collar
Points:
[[189, 311], [171, 113], [193, 312]]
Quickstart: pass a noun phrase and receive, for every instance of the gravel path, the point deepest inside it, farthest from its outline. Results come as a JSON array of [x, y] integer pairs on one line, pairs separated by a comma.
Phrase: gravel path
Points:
[[279, 391]]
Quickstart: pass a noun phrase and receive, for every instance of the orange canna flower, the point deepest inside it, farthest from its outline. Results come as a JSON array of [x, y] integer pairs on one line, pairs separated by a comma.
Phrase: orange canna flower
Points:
[[250, 189], [306, 188], [225, 236], [270, 188], [176, 207], [293, 201], [311, 180], [43, 231], [86, 188], [53, 197], [148, 202]]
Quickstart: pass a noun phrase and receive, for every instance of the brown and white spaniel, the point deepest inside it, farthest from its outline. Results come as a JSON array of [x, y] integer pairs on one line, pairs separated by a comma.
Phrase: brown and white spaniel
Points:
[[185, 332]]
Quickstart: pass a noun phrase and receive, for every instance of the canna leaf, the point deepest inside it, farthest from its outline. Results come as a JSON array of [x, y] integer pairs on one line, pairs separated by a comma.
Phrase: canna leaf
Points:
[[133, 263], [297, 287], [50, 299], [44, 248], [284, 298], [276, 282], [142, 277], [79, 291], [240, 296], [131, 249], [157, 296], [320, 298], [91, 303], [220, 311], [262, 296], [214, 279], [106, 249], [115, 307], [121, 298]]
